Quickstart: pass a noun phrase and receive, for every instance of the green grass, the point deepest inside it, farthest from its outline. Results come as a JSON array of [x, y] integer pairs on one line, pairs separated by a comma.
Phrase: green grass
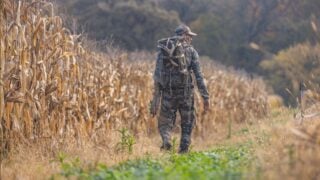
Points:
[[222, 163]]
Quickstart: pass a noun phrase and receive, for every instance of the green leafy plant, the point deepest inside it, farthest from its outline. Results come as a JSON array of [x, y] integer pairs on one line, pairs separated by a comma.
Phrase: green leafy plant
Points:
[[220, 163], [69, 167], [126, 142]]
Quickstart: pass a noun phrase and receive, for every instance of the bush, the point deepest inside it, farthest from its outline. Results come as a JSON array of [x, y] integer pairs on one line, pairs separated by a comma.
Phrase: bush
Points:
[[293, 67]]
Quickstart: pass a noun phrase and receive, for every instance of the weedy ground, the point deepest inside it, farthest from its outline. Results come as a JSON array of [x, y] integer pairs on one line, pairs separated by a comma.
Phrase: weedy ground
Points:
[[220, 163], [253, 151]]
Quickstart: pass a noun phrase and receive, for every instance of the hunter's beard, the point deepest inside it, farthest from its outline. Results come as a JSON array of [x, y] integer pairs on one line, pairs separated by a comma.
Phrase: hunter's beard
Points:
[[188, 40]]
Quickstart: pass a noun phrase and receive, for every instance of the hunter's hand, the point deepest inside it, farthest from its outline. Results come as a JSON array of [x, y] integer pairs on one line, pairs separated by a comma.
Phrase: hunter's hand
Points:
[[206, 105], [153, 113]]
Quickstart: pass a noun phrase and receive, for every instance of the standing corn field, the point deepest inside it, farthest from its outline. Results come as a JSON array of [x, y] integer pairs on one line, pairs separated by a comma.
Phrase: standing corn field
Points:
[[52, 88]]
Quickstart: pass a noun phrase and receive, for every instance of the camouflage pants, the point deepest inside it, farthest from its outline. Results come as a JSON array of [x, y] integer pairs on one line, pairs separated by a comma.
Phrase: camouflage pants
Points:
[[180, 101]]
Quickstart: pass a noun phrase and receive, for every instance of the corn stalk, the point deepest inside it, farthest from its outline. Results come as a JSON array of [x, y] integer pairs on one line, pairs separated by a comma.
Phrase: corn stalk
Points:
[[1, 83]]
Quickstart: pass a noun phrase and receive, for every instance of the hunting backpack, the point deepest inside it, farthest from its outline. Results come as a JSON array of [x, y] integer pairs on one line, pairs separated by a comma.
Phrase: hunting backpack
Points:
[[175, 62]]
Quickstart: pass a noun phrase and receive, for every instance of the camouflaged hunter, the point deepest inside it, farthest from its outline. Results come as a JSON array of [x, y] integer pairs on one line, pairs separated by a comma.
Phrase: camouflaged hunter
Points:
[[177, 60]]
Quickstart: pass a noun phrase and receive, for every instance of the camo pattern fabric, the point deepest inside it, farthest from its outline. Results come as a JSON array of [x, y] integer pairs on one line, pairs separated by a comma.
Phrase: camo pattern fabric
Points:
[[166, 77], [178, 95], [169, 106]]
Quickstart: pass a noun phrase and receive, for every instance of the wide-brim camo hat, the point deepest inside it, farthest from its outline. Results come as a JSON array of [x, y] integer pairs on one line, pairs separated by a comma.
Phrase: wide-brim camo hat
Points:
[[182, 29]]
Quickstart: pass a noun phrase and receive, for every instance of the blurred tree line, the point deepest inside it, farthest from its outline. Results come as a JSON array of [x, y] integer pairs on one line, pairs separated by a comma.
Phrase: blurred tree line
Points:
[[133, 25], [241, 33]]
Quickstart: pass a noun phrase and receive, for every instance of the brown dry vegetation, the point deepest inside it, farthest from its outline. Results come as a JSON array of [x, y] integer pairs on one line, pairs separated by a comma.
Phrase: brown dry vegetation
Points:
[[287, 149], [57, 95]]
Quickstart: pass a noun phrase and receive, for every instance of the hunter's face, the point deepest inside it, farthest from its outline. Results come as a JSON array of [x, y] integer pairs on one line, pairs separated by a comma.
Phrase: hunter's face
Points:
[[188, 38]]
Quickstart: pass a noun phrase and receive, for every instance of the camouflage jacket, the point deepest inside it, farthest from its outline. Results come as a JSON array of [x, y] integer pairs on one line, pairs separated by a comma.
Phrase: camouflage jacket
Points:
[[167, 79]]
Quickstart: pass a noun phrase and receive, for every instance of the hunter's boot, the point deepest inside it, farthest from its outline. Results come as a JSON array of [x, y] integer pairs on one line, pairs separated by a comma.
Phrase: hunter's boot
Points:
[[185, 140], [184, 148], [166, 146]]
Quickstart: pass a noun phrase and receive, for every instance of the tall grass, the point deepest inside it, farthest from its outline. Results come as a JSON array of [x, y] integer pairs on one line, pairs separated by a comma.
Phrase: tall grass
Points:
[[290, 150], [52, 87]]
